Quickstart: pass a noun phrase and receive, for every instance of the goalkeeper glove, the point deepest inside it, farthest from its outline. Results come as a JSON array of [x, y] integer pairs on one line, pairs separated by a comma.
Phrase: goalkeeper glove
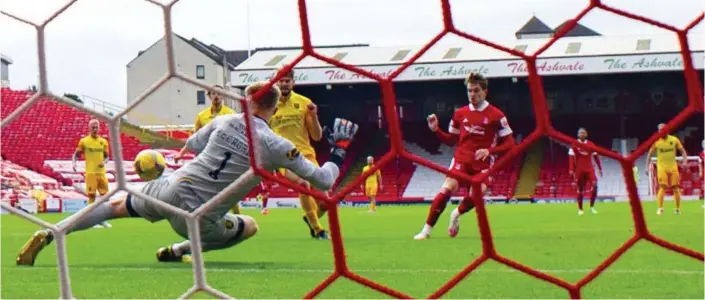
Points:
[[340, 138]]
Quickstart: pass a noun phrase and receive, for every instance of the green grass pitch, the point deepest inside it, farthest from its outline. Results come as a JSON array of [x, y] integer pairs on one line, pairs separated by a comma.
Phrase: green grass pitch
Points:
[[282, 261]]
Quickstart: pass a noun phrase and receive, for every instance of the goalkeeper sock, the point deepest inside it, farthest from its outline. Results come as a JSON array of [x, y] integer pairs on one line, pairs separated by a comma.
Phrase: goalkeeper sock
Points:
[[182, 248], [580, 200], [373, 204], [659, 197], [677, 197], [91, 199], [101, 213], [437, 207]]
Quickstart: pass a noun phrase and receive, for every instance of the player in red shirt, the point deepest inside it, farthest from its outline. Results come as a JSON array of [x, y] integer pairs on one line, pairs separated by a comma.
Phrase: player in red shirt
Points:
[[480, 131], [582, 170], [264, 191]]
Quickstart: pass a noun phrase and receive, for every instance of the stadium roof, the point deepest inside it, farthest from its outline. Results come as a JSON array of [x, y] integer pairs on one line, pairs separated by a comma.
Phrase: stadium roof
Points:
[[584, 46], [533, 26], [578, 30], [6, 59]]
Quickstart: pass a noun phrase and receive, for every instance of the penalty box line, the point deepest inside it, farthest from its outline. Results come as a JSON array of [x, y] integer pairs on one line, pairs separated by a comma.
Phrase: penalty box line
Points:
[[390, 271]]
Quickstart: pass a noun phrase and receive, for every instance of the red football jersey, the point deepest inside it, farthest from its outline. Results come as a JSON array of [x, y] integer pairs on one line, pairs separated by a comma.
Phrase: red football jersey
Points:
[[583, 157], [479, 128]]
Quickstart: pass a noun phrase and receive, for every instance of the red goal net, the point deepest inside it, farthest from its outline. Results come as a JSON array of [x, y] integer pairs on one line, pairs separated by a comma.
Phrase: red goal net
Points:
[[544, 128]]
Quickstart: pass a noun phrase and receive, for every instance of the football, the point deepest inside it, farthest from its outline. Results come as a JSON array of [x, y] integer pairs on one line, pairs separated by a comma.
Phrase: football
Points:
[[149, 164]]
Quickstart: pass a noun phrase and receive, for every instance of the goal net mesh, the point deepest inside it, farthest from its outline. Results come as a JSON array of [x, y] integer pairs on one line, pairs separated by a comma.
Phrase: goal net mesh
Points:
[[543, 129]]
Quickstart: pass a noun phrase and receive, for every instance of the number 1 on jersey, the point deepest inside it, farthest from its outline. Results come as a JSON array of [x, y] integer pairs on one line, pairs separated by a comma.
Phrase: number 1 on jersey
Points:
[[214, 174]]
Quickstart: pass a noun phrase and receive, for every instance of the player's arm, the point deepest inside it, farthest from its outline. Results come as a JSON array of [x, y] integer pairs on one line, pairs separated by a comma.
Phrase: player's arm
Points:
[[648, 158], [77, 154], [106, 153], [598, 162], [379, 178], [506, 139], [285, 155], [571, 160], [684, 154], [313, 125], [198, 141], [450, 138], [196, 126], [506, 142]]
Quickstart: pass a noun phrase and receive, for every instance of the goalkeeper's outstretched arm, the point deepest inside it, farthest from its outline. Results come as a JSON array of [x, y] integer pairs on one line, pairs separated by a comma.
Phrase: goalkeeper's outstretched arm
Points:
[[287, 156]]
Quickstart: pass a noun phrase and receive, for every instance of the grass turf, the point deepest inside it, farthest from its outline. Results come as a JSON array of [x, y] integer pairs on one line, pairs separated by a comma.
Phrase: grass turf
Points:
[[282, 261]]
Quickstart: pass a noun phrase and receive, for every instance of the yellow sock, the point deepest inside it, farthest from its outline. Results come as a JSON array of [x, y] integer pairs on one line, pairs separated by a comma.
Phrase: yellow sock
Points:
[[659, 197], [91, 199], [677, 197], [373, 204], [236, 209], [310, 208]]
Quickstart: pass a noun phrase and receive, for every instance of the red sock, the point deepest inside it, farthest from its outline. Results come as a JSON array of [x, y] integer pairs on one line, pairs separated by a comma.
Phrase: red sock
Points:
[[466, 205], [437, 207], [580, 200], [593, 196], [264, 202]]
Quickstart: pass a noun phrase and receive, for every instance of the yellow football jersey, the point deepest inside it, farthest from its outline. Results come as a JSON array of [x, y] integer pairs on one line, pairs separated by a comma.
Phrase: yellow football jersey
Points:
[[666, 150], [205, 116], [290, 120], [94, 150], [372, 180]]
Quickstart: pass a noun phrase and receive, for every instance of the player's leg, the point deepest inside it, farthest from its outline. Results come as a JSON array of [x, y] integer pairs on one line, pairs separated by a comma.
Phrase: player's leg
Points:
[[466, 205], [224, 233], [371, 192], [662, 177], [265, 200], [581, 180], [236, 208], [592, 183], [113, 209], [676, 186], [310, 208], [437, 207], [103, 188], [91, 187]]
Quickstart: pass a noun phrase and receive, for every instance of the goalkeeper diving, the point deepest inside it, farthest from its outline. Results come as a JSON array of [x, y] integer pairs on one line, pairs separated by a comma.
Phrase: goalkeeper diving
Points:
[[223, 157]]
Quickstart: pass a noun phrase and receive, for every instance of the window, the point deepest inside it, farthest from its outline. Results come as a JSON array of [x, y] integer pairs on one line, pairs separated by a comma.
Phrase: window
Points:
[[400, 55], [643, 45], [339, 56], [200, 97], [275, 60], [573, 48], [200, 72], [452, 53]]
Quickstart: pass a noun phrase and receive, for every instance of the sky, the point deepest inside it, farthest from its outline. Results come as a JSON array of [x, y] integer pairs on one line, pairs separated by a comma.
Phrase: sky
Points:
[[89, 45]]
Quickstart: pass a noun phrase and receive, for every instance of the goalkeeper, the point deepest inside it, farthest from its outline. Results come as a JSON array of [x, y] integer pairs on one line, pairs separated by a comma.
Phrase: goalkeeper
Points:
[[223, 157]]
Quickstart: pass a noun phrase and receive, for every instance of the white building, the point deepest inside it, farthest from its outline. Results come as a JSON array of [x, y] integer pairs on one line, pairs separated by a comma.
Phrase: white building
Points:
[[176, 102], [5, 63]]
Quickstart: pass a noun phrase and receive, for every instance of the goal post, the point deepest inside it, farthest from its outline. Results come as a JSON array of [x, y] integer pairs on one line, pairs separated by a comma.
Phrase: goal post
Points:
[[689, 176]]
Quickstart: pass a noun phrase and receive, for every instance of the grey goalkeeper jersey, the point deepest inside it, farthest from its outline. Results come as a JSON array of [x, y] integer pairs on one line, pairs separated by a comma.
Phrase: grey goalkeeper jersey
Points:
[[222, 149]]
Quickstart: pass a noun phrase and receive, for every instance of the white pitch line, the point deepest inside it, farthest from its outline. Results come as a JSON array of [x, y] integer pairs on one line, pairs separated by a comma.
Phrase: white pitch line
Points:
[[391, 271]]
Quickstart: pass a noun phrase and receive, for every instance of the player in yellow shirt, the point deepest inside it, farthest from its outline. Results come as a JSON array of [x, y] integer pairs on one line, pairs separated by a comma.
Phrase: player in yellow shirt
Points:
[[667, 168], [217, 108], [95, 151], [296, 120], [372, 183]]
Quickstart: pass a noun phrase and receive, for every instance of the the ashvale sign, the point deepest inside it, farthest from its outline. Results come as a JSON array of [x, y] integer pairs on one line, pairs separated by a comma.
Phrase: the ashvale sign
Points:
[[498, 68]]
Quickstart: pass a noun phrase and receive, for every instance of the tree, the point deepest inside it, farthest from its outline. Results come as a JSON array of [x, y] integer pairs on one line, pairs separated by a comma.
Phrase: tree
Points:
[[74, 97]]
